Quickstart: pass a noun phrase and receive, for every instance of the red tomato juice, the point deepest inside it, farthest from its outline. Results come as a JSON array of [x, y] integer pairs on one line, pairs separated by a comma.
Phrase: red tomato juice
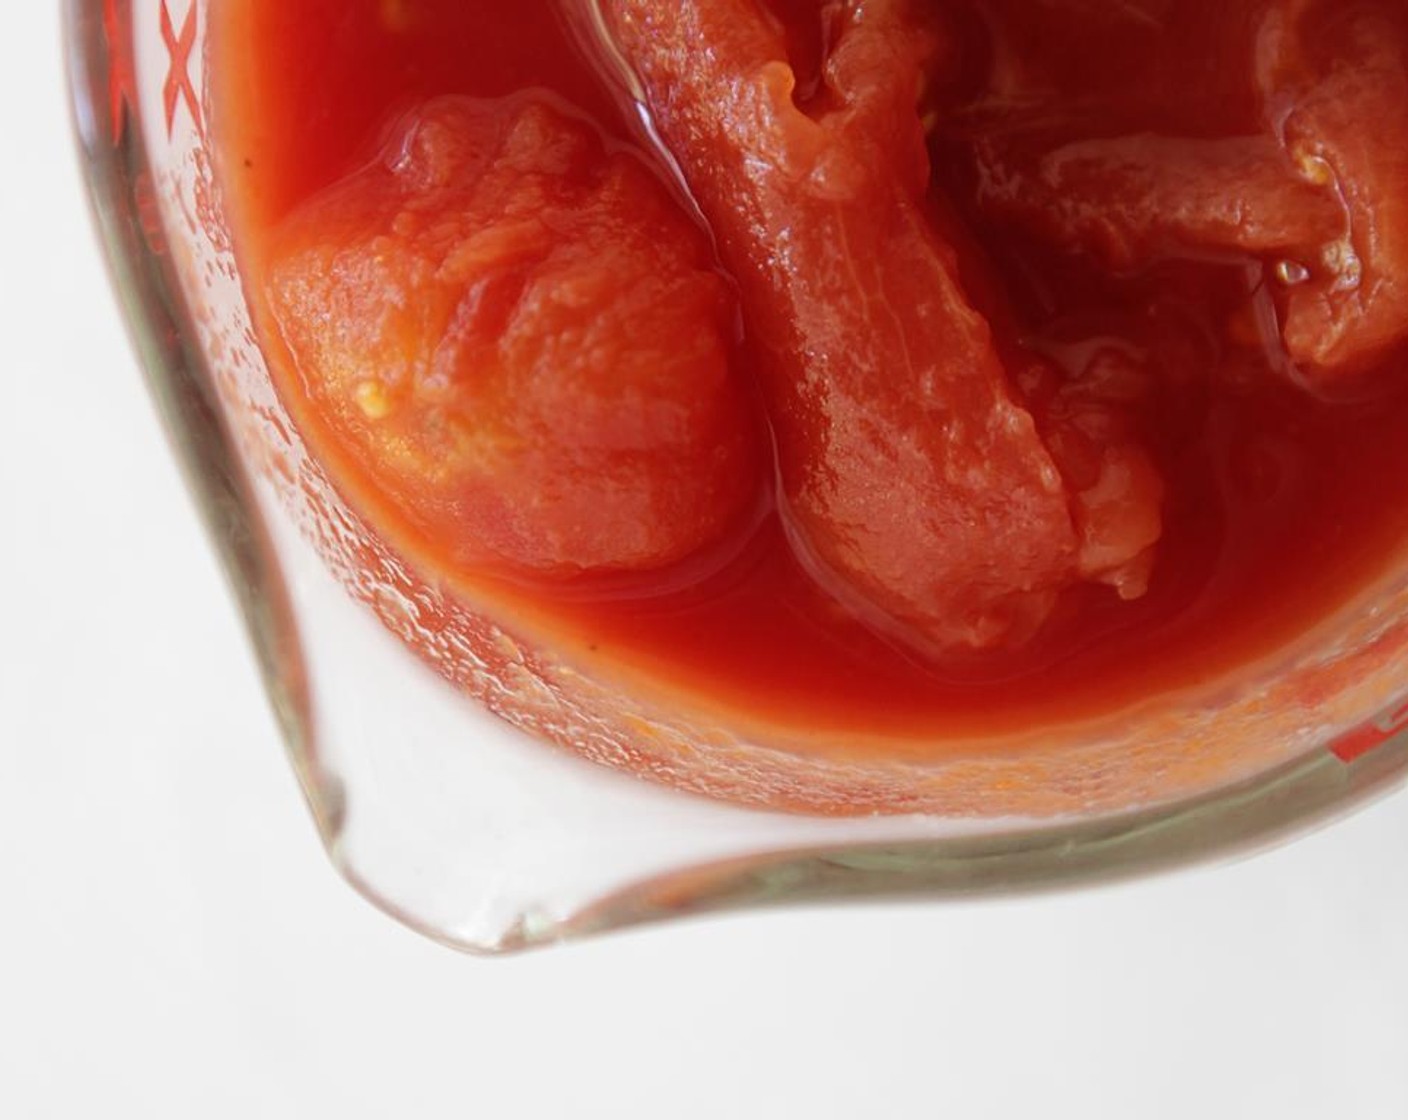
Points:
[[1283, 488]]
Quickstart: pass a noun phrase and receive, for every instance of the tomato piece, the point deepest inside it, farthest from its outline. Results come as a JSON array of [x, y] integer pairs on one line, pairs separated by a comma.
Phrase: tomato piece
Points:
[[520, 339], [914, 482], [1093, 420], [1133, 199], [1320, 194], [1338, 73]]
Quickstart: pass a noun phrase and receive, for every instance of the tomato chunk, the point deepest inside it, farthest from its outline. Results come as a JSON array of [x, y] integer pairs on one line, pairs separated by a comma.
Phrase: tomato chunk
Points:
[[521, 339], [1321, 194], [914, 480], [1341, 71], [1133, 199]]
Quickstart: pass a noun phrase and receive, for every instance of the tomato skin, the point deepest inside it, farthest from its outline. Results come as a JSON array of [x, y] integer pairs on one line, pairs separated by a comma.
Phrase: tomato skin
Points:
[[522, 343]]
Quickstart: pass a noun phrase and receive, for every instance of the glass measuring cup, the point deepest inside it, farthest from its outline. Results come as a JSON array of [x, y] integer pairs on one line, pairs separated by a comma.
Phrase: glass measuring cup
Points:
[[465, 825]]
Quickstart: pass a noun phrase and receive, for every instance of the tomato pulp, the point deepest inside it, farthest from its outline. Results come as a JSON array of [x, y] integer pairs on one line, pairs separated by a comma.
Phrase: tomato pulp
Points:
[[927, 370]]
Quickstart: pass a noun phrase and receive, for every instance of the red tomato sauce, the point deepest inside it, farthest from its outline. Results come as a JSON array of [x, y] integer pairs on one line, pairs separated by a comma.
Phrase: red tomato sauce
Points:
[[1273, 432]]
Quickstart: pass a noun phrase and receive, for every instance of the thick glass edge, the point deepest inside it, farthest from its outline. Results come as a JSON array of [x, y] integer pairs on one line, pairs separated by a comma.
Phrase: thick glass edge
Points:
[[157, 324], [1267, 809], [1239, 822]]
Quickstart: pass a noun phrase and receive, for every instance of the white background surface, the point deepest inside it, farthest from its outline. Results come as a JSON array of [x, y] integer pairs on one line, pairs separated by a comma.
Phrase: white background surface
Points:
[[173, 943]]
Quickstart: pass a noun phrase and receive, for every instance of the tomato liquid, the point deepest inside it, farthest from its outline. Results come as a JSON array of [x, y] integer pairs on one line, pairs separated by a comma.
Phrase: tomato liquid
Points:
[[1281, 501]]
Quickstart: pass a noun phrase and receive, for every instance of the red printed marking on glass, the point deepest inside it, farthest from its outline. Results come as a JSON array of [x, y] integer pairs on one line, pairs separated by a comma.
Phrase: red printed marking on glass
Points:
[[122, 77], [1372, 735], [178, 79]]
